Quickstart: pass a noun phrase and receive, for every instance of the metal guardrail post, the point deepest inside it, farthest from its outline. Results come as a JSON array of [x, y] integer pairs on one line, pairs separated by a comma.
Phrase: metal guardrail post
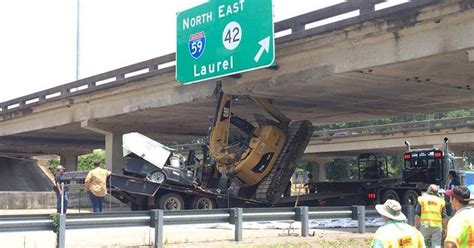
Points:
[[236, 218], [361, 218], [302, 215], [411, 215], [157, 222], [62, 198], [62, 231], [354, 212]]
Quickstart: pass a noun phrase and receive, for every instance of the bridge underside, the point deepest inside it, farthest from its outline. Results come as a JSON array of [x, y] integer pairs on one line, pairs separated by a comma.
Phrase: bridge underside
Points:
[[435, 84], [418, 62]]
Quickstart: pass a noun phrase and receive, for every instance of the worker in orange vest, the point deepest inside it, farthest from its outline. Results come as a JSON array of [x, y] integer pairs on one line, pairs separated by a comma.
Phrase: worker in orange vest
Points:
[[431, 216]]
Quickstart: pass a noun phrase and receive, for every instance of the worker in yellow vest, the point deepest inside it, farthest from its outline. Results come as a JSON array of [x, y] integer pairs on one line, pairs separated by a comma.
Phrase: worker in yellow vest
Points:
[[461, 225], [431, 216], [396, 233]]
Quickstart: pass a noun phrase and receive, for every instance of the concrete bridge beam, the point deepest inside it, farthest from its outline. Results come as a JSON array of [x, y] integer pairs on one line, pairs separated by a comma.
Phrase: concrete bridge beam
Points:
[[114, 160]]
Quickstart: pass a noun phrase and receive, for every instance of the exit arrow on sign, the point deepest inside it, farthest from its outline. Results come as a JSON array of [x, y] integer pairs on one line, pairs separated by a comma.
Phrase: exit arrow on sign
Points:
[[264, 46]]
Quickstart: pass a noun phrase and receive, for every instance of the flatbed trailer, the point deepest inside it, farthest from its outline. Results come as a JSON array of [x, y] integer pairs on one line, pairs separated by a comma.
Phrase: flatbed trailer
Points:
[[144, 195], [356, 192]]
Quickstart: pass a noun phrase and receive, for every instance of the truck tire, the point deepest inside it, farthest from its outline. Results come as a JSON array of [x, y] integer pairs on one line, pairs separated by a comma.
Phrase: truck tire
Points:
[[170, 201], [157, 176], [410, 197], [389, 194], [202, 202]]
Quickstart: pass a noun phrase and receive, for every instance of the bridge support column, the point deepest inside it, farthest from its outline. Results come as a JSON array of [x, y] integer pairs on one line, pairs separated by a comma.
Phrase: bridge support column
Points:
[[114, 160], [320, 168], [69, 160]]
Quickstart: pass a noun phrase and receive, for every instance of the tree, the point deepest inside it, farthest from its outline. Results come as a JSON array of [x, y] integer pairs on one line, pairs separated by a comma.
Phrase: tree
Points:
[[86, 162], [340, 169], [400, 119], [304, 166], [395, 165]]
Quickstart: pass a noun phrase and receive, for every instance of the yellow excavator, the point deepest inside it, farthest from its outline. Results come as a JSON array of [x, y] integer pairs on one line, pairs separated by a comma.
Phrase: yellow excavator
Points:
[[259, 159]]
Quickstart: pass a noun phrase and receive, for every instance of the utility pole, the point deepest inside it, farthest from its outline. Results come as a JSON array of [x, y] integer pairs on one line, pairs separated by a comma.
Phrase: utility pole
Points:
[[77, 38]]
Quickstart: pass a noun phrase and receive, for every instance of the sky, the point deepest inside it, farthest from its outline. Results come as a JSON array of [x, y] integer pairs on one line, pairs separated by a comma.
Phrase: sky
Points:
[[38, 38]]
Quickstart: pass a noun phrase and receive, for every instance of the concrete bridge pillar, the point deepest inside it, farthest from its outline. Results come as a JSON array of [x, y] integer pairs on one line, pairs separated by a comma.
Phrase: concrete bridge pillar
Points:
[[114, 160], [320, 168], [69, 160]]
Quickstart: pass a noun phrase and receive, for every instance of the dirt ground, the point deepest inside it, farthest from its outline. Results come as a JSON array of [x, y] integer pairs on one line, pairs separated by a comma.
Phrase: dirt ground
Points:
[[281, 238]]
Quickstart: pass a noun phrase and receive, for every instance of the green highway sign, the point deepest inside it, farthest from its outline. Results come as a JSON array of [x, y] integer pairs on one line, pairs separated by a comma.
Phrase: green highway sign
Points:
[[224, 37]]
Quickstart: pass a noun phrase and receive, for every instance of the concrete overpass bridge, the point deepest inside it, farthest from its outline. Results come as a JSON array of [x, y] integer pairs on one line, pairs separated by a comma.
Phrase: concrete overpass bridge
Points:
[[411, 58], [390, 139]]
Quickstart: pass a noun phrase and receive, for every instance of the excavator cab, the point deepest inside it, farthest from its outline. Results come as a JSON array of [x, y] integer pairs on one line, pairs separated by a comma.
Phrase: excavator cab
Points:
[[245, 158], [260, 158]]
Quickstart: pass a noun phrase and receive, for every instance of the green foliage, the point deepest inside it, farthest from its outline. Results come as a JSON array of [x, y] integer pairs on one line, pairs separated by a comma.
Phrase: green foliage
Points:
[[340, 169], [86, 162], [55, 218], [304, 166], [395, 166], [400, 119], [52, 165]]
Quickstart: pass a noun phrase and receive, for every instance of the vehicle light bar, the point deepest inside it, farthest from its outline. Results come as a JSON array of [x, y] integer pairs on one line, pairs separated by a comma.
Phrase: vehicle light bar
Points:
[[372, 195], [407, 156]]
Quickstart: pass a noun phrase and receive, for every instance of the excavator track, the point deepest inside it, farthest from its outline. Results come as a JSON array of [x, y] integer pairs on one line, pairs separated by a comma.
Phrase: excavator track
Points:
[[274, 184]]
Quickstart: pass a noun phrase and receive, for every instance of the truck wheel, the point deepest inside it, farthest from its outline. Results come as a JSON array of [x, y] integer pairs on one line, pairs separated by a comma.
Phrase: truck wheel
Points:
[[202, 202], [171, 201], [389, 194], [410, 197], [156, 176]]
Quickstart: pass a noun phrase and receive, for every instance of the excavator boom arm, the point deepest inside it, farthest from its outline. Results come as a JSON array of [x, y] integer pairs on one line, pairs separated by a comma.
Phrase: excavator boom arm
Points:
[[219, 132]]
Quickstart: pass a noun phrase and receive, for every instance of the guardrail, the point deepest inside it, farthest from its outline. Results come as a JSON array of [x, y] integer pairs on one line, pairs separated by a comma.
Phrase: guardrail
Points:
[[159, 218], [396, 128], [288, 30], [13, 223]]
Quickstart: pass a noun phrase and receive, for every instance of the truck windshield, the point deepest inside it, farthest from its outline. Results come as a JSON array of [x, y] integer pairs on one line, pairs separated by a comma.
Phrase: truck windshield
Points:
[[423, 159]]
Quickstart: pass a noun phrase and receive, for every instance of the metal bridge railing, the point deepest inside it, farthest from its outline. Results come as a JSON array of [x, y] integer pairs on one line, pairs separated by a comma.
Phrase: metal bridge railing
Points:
[[396, 128], [159, 218], [297, 27]]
